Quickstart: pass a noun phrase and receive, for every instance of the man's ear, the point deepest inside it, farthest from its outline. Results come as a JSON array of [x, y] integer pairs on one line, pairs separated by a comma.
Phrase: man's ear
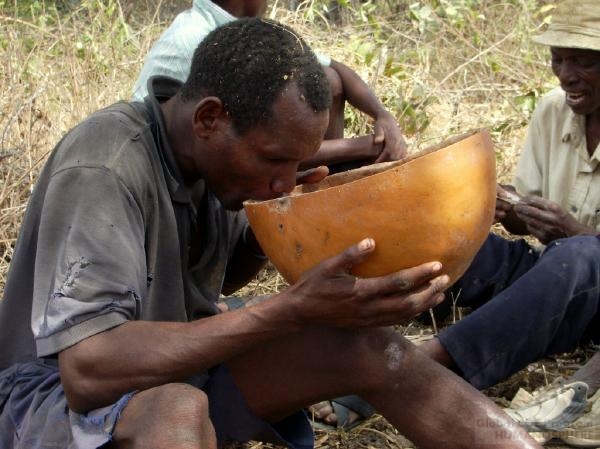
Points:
[[207, 113]]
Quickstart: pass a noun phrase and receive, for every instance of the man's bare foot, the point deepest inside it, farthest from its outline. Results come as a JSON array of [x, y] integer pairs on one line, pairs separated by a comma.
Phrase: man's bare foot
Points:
[[324, 411], [344, 412]]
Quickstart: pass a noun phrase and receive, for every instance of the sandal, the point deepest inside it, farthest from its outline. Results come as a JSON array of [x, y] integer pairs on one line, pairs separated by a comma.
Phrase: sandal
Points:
[[552, 410], [342, 407]]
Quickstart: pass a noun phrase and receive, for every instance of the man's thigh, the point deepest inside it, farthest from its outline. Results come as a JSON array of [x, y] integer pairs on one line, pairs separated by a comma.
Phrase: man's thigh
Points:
[[32, 408], [34, 413], [206, 411], [316, 364], [496, 266]]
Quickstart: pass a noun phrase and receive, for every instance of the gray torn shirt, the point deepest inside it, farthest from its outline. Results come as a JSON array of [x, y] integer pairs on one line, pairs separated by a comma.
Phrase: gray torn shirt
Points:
[[107, 234]]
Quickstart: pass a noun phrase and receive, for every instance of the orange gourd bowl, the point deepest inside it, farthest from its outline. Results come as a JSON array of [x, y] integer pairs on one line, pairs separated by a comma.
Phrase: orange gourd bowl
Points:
[[437, 205]]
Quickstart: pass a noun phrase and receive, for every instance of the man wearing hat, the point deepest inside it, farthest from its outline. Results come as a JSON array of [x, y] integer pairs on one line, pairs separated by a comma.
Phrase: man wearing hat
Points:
[[529, 301]]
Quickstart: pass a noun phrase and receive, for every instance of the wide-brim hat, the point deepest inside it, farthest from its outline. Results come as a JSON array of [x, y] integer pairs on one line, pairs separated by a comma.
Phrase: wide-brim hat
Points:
[[574, 24]]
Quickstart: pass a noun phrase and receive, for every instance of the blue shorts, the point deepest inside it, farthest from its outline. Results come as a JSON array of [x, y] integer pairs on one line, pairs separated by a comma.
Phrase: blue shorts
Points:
[[34, 413]]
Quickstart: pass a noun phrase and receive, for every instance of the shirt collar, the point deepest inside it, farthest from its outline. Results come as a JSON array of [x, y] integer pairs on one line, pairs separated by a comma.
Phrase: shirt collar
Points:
[[574, 132], [573, 125], [160, 89]]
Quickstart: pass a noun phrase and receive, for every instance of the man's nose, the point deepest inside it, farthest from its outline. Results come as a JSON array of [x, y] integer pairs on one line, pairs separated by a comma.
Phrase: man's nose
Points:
[[567, 73]]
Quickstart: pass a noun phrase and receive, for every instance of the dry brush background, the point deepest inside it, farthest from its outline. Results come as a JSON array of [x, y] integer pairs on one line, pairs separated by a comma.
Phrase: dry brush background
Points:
[[442, 67]]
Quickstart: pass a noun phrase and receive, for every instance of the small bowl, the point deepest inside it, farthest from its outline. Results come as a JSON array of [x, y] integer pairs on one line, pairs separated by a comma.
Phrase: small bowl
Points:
[[436, 205]]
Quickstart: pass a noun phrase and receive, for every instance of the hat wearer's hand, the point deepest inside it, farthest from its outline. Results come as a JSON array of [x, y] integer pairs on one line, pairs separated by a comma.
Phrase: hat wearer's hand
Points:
[[506, 198], [547, 221], [329, 295]]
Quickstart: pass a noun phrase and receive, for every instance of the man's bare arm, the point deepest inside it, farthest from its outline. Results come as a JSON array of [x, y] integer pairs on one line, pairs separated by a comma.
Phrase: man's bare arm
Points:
[[138, 354], [386, 130]]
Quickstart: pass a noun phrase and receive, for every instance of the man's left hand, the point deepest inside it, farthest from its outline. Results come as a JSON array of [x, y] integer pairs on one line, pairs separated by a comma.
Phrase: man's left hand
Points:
[[387, 133], [547, 221]]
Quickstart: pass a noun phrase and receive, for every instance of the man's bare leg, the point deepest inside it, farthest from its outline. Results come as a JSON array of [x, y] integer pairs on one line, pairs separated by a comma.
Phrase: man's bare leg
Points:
[[435, 351], [172, 416], [423, 400]]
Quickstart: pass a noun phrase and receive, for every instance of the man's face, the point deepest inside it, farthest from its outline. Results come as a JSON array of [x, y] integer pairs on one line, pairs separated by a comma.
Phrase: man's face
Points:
[[254, 8], [262, 163], [579, 74]]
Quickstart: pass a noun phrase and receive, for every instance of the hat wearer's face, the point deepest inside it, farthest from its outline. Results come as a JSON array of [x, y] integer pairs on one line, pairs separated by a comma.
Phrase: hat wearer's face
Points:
[[579, 74]]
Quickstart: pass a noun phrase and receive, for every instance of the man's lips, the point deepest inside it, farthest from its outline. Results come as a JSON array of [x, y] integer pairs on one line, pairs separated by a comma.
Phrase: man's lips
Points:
[[575, 98]]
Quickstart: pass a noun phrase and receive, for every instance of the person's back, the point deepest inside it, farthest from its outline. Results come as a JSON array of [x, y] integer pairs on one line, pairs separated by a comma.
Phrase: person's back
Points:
[[171, 54]]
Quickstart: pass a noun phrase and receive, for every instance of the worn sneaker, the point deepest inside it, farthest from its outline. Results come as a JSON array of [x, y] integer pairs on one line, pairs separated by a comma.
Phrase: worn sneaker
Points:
[[552, 410], [585, 431]]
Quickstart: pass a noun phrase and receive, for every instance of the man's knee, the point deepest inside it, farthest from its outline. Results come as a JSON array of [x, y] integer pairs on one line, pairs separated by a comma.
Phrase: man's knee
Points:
[[181, 400], [576, 252], [380, 349], [169, 416]]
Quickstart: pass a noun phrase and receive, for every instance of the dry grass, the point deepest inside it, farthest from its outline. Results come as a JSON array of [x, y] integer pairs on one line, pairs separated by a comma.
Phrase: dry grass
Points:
[[441, 73], [439, 76], [58, 66]]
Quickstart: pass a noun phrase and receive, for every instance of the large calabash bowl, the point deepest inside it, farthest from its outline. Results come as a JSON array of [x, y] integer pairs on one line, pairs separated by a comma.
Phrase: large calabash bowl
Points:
[[437, 205]]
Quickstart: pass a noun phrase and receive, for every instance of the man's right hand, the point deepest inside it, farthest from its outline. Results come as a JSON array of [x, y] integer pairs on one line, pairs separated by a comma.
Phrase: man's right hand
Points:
[[330, 295], [506, 198], [548, 221]]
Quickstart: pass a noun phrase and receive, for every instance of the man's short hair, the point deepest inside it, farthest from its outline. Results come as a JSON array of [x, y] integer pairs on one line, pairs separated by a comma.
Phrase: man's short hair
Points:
[[247, 62]]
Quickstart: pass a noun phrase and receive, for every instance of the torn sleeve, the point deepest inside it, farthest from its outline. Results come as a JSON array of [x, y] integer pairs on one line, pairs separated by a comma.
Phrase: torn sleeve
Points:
[[90, 271]]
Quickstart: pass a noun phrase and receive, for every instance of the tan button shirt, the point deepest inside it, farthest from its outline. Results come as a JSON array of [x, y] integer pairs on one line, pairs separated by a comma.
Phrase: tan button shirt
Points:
[[555, 163]]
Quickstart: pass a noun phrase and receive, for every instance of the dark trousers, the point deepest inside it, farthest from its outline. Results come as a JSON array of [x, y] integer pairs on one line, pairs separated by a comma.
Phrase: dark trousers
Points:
[[527, 305]]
